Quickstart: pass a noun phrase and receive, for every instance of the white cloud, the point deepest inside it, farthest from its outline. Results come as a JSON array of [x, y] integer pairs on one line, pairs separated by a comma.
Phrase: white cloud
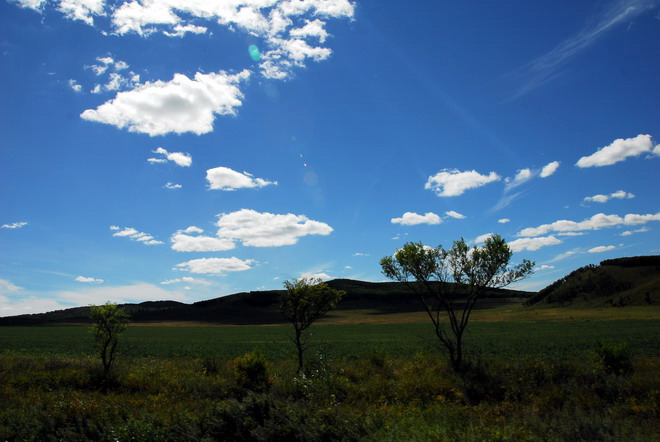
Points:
[[482, 238], [116, 82], [183, 242], [177, 106], [361, 254], [216, 266], [28, 305], [316, 275], [571, 234], [121, 294], [180, 158], [88, 279], [311, 29], [180, 31], [7, 287], [73, 84], [454, 214], [188, 280], [618, 151], [412, 219], [630, 232], [267, 229], [543, 267], [133, 234], [549, 169], [522, 176], [533, 244], [620, 194], [601, 249], [16, 225], [82, 10], [454, 182], [170, 185], [224, 178], [596, 222], [503, 220]]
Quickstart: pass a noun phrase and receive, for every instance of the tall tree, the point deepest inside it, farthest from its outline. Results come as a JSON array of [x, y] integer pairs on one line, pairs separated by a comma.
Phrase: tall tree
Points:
[[305, 301], [449, 282], [108, 323]]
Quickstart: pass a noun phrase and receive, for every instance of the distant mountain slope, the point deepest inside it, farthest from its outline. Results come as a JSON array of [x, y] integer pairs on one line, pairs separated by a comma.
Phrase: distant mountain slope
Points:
[[615, 282], [260, 307]]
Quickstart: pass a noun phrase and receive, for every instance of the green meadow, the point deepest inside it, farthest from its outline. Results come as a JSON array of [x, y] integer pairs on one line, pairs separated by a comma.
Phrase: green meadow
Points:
[[504, 339]]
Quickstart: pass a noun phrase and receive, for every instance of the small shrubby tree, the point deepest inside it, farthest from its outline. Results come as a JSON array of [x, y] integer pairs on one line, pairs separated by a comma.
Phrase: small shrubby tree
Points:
[[449, 282], [108, 322], [305, 301]]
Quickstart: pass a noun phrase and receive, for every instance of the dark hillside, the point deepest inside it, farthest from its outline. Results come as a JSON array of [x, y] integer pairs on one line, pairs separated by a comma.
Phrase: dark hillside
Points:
[[616, 282], [260, 307]]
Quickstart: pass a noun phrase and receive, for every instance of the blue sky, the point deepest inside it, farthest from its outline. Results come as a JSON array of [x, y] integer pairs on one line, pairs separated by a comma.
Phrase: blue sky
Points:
[[185, 149]]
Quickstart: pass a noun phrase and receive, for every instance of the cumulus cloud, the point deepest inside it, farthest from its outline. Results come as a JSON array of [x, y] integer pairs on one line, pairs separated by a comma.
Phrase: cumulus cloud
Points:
[[630, 232], [412, 219], [133, 234], [620, 194], [618, 151], [224, 178], [455, 215], [601, 249], [73, 84], [482, 238], [88, 279], [83, 10], [503, 220], [549, 169], [533, 244], [181, 30], [267, 229], [177, 106], [316, 275], [596, 222], [522, 176], [180, 158], [170, 185], [16, 225], [454, 182], [216, 266], [185, 241], [360, 254]]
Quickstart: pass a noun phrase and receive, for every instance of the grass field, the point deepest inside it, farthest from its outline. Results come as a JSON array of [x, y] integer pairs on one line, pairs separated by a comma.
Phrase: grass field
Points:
[[536, 374], [510, 339]]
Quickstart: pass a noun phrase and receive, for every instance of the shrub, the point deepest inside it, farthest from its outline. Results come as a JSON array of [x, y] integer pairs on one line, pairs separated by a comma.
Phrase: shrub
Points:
[[251, 372], [614, 358]]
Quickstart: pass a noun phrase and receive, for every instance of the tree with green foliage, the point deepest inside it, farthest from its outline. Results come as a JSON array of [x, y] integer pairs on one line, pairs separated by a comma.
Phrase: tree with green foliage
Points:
[[305, 301], [108, 323], [449, 282]]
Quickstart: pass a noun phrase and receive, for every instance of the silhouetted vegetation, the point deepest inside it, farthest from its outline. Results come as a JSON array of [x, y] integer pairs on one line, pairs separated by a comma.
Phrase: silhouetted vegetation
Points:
[[461, 269], [615, 282]]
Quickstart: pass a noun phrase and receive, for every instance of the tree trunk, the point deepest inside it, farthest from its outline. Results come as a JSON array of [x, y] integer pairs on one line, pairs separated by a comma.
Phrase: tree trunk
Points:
[[300, 350]]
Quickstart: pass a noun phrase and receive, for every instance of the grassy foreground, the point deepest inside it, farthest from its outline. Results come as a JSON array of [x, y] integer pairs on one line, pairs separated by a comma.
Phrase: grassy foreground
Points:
[[529, 381]]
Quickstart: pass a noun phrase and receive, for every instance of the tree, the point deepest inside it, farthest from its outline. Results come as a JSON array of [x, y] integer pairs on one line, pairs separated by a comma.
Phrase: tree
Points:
[[449, 282], [108, 322], [305, 301]]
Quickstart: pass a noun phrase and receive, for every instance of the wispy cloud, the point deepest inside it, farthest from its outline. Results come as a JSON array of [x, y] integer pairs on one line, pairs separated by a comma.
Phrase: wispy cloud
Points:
[[549, 66]]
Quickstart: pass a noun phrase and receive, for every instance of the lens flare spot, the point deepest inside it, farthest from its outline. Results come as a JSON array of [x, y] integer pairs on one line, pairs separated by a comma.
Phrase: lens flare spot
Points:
[[254, 52]]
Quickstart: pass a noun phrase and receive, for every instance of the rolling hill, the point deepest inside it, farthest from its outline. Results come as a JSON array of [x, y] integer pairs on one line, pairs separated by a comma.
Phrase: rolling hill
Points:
[[615, 282], [260, 307]]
